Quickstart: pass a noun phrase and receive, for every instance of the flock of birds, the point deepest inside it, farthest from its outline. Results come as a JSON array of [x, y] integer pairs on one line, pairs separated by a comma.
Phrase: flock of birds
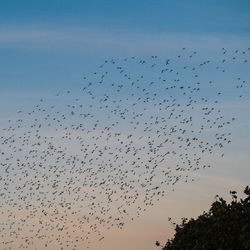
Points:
[[79, 164]]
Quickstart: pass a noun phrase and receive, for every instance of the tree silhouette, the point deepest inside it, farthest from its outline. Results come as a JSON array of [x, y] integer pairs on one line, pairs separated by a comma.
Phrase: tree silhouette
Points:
[[224, 226]]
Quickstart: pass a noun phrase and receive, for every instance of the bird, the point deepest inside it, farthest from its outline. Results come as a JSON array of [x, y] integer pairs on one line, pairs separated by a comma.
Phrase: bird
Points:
[[95, 160]]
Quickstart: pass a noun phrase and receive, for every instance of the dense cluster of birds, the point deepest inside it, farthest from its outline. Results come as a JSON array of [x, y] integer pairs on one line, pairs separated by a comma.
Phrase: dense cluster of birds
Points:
[[79, 164]]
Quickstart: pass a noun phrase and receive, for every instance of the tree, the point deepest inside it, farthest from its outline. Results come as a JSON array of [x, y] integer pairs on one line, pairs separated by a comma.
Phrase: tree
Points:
[[223, 227]]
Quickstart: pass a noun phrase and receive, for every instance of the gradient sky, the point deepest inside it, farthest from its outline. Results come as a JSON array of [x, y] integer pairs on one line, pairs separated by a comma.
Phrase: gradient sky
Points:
[[48, 46]]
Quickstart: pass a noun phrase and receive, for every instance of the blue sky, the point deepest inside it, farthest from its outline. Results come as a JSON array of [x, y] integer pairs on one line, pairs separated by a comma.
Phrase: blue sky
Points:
[[157, 16], [34, 29], [64, 37], [48, 46]]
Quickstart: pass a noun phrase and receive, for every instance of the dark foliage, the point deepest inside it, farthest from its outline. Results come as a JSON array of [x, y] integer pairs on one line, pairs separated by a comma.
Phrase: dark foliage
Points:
[[224, 226]]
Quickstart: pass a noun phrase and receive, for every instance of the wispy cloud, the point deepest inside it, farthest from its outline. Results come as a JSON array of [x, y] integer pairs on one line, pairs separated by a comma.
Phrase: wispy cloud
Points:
[[94, 40]]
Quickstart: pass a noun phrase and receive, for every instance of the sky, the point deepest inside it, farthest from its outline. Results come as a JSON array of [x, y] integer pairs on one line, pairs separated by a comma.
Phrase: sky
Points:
[[49, 46]]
